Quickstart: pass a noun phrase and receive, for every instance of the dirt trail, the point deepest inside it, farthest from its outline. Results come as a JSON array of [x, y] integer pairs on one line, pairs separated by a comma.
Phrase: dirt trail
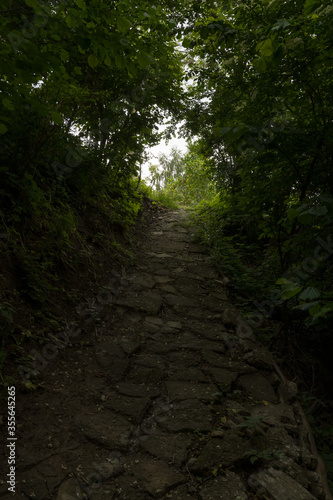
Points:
[[171, 397]]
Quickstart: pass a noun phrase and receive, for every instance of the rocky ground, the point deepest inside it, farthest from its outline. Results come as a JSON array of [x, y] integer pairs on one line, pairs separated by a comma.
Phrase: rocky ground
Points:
[[164, 394]]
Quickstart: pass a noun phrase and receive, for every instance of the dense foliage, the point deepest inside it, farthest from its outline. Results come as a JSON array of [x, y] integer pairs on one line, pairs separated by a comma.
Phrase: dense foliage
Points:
[[183, 179], [83, 85], [262, 108]]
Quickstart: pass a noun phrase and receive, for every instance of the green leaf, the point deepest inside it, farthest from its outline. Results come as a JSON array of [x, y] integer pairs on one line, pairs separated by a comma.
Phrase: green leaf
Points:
[[92, 61], [120, 62], [310, 293], [319, 210], [306, 305], [125, 42], [8, 104], [291, 293], [282, 281], [282, 23], [70, 21], [315, 310], [144, 59], [64, 55], [260, 65], [187, 43], [5, 313], [131, 69], [305, 218], [321, 312], [311, 5], [33, 3], [57, 118], [107, 60], [81, 4], [3, 128], [267, 49], [292, 214], [123, 24]]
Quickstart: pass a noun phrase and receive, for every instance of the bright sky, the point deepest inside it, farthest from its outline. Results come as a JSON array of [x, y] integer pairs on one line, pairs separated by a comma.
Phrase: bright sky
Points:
[[163, 147]]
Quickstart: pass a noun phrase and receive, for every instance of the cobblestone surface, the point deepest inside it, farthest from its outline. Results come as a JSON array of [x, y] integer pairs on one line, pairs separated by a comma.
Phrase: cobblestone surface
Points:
[[175, 397]]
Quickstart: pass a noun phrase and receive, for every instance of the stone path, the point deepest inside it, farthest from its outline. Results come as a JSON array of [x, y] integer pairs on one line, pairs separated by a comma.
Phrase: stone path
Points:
[[177, 399]]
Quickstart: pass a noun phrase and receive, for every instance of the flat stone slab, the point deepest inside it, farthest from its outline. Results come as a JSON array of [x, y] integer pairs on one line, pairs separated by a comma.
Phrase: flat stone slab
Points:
[[111, 349], [260, 358], [187, 390], [137, 390], [258, 387], [172, 448], [196, 248], [163, 279], [189, 291], [145, 375], [209, 331], [132, 407], [223, 378], [221, 452], [145, 281], [203, 271], [188, 275], [214, 304], [170, 246], [226, 487], [273, 414], [189, 415], [152, 320], [160, 255], [191, 359], [153, 324], [214, 359], [108, 429], [148, 302], [174, 324], [161, 344], [169, 289], [276, 485], [70, 489], [179, 300], [177, 236], [151, 361], [128, 346], [187, 374], [200, 345], [115, 367], [156, 477]]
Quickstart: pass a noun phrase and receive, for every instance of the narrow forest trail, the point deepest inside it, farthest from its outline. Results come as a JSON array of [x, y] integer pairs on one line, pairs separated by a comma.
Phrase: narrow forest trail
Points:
[[170, 399]]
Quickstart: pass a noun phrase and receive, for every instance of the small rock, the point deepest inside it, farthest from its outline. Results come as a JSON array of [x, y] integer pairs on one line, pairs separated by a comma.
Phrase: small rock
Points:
[[223, 378], [288, 390], [188, 390], [226, 487], [172, 448], [259, 358], [277, 485], [156, 477], [189, 415], [222, 452], [217, 434], [258, 387], [70, 490], [310, 462]]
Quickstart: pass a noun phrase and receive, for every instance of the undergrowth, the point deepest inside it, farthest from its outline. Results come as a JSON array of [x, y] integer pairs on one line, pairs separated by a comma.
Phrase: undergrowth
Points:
[[40, 251], [252, 267], [164, 197]]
